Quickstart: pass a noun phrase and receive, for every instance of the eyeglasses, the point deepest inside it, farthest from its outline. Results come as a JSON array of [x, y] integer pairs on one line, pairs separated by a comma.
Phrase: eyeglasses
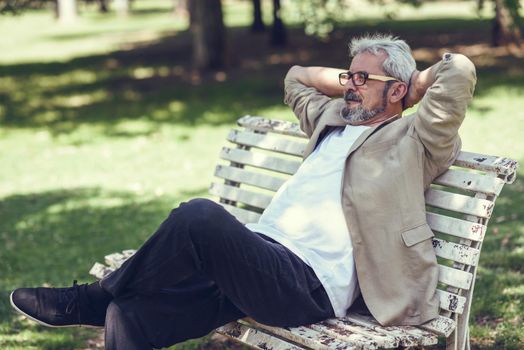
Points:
[[360, 78]]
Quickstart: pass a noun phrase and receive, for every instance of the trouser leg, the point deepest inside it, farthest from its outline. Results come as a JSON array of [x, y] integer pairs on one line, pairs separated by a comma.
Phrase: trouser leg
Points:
[[262, 278], [190, 310]]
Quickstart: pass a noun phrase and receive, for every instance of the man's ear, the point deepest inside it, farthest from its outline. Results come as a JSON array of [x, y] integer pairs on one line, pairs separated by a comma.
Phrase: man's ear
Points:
[[397, 92]]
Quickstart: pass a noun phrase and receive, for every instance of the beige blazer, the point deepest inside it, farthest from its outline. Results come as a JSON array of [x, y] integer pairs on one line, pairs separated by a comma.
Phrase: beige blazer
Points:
[[386, 173]]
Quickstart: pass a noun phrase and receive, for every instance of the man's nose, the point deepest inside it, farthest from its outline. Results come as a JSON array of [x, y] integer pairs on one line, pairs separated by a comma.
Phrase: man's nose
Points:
[[349, 86]]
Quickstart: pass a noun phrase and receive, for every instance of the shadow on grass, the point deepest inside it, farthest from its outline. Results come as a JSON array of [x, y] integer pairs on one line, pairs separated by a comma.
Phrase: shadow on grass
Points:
[[54, 237], [155, 81]]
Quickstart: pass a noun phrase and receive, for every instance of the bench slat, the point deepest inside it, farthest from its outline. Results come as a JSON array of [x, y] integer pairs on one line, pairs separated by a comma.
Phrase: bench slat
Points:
[[340, 329], [498, 165], [454, 277], [407, 335], [440, 325], [243, 176], [470, 181], [268, 142], [243, 215], [275, 126], [456, 227], [459, 203], [365, 340], [260, 160], [456, 252], [236, 194], [305, 336], [254, 337], [100, 270], [451, 302]]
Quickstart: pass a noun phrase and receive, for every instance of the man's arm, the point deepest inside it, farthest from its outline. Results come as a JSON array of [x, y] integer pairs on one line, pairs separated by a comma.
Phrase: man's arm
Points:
[[323, 79], [445, 89], [308, 91]]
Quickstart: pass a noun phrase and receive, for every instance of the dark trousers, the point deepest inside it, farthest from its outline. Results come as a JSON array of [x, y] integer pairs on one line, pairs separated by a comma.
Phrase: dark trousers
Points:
[[201, 269]]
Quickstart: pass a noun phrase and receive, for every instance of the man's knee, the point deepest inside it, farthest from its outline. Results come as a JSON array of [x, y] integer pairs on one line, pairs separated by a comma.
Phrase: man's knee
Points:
[[199, 210]]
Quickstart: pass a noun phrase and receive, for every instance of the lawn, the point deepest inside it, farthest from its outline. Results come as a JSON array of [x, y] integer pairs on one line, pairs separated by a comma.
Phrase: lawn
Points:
[[104, 127]]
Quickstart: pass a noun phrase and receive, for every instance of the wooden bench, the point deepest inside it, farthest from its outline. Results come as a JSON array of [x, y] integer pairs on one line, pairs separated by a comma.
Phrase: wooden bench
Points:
[[264, 153]]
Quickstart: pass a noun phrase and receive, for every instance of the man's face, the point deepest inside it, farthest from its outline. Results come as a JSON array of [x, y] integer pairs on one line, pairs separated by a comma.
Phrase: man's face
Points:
[[367, 101]]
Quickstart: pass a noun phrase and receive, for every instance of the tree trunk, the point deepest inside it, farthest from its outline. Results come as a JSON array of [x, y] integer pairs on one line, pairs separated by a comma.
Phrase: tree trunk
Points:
[[122, 7], [67, 11], [278, 30], [103, 8], [258, 24], [505, 28], [207, 28]]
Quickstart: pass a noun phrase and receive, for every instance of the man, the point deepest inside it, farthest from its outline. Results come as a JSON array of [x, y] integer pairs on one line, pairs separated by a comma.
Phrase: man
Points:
[[351, 220]]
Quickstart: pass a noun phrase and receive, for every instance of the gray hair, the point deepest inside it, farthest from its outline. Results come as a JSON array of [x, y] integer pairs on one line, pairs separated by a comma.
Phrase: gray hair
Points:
[[399, 64]]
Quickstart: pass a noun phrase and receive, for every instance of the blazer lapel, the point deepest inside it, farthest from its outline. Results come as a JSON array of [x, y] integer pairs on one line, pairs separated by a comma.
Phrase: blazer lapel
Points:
[[364, 136]]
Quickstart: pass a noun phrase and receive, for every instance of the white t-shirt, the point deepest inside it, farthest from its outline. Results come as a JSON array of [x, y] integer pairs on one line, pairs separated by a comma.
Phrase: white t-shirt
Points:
[[306, 217]]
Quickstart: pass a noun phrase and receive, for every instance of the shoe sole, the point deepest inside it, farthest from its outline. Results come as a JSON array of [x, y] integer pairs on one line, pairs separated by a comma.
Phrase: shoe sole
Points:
[[42, 322]]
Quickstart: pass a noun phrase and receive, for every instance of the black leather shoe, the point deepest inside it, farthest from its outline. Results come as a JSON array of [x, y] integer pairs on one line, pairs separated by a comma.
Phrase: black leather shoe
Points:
[[58, 307]]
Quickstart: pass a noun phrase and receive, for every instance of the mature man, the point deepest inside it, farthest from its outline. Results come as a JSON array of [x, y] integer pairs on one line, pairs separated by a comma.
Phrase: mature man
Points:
[[351, 221]]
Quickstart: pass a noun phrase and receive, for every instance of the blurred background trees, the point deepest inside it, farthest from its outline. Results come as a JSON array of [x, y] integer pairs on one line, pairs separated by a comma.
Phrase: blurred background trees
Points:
[[318, 17]]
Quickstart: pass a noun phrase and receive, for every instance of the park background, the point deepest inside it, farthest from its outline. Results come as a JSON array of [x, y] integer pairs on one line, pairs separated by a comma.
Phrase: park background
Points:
[[107, 121]]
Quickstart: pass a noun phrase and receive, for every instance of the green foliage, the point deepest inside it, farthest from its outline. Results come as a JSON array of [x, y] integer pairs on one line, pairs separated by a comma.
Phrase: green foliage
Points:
[[319, 17], [17, 6]]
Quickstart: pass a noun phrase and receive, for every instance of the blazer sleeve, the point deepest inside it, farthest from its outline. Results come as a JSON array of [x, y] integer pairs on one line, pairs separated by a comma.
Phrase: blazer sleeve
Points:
[[307, 103], [443, 108]]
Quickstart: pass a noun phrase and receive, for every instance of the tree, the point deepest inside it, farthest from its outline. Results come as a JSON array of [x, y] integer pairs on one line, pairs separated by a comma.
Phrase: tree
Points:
[[208, 30], [67, 12], [258, 24], [102, 6], [506, 27], [122, 7], [278, 30]]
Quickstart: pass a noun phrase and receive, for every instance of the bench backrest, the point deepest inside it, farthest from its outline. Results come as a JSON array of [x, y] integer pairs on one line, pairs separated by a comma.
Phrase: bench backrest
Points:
[[459, 202]]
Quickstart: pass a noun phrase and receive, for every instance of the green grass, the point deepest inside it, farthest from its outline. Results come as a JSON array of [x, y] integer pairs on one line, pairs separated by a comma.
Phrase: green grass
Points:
[[104, 127]]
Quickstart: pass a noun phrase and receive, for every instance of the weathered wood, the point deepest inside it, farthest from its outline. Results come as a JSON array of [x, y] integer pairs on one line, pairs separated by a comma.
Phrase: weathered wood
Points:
[[236, 194], [243, 176], [115, 260], [260, 160], [456, 227], [456, 252], [470, 181], [267, 125], [100, 271], [343, 328], [268, 142], [406, 335], [451, 302], [443, 326], [360, 339], [254, 338], [307, 337], [498, 165], [454, 277], [459, 203]]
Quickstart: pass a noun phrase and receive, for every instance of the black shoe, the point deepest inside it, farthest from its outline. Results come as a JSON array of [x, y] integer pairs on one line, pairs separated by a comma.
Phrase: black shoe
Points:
[[58, 307]]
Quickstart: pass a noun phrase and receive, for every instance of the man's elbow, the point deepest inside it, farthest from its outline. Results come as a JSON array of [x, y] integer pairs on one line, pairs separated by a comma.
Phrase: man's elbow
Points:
[[293, 72], [466, 69]]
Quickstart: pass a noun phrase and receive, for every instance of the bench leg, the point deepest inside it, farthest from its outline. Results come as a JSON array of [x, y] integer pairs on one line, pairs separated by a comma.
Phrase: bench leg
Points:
[[458, 341]]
